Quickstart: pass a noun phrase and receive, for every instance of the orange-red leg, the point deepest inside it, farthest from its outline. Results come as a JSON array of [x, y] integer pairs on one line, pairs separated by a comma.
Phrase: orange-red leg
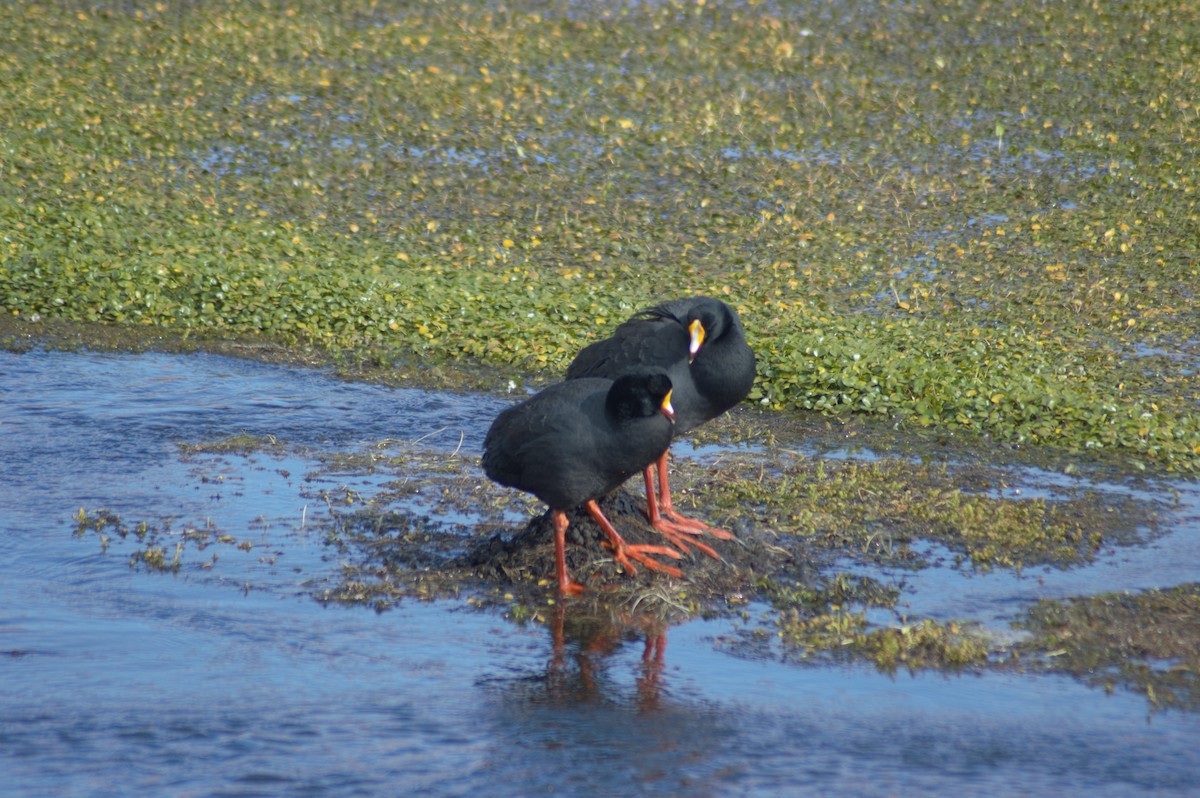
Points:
[[676, 528], [566, 585], [624, 552], [682, 538]]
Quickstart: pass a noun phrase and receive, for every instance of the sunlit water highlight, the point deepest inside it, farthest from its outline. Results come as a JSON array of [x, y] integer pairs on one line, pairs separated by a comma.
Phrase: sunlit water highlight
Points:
[[233, 681]]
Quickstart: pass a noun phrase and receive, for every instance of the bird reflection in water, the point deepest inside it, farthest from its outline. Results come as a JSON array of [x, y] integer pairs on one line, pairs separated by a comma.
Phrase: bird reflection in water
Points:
[[592, 639]]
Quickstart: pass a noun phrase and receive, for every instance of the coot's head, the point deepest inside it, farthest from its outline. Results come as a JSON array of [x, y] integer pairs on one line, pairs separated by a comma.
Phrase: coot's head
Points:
[[706, 320], [641, 394]]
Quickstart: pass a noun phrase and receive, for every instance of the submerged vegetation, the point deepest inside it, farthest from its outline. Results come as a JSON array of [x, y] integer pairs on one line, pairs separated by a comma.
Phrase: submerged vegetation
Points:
[[152, 541], [879, 509], [829, 622], [1146, 641], [974, 216]]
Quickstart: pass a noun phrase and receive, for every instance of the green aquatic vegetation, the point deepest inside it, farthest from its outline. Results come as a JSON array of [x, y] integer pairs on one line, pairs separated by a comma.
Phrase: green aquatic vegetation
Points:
[[926, 644], [241, 444], [157, 546], [1147, 642], [976, 218], [828, 620], [155, 558], [832, 593], [879, 510]]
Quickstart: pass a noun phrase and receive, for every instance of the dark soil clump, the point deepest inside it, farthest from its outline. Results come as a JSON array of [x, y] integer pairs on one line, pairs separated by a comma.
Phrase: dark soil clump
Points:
[[527, 558]]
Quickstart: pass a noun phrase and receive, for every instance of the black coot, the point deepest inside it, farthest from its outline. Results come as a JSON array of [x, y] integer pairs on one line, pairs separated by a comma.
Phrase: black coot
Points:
[[700, 343], [576, 442]]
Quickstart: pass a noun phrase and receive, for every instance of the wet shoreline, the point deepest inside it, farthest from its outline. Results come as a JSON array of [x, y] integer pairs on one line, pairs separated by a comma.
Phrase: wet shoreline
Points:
[[142, 435]]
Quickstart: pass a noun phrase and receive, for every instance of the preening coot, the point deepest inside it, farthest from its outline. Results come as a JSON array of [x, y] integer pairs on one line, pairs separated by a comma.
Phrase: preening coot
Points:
[[700, 343], [576, 442]]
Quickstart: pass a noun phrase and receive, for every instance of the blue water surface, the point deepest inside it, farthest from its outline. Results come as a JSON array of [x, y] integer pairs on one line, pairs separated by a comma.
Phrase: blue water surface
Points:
[[232, 681]]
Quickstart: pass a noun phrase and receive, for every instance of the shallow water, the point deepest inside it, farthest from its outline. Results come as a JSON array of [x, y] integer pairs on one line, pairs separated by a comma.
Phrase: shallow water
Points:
[[231, 680]]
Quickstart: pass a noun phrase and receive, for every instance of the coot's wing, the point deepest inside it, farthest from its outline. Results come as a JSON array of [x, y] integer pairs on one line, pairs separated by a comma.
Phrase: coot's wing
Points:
[[644, 341], [540, 445]]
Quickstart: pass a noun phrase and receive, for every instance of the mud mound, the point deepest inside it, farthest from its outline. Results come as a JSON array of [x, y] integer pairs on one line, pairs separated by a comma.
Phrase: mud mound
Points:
[[527, 557]]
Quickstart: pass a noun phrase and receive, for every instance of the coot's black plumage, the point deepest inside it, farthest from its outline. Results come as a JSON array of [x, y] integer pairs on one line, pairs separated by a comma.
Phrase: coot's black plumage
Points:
[[576, 442], [700, 343]]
